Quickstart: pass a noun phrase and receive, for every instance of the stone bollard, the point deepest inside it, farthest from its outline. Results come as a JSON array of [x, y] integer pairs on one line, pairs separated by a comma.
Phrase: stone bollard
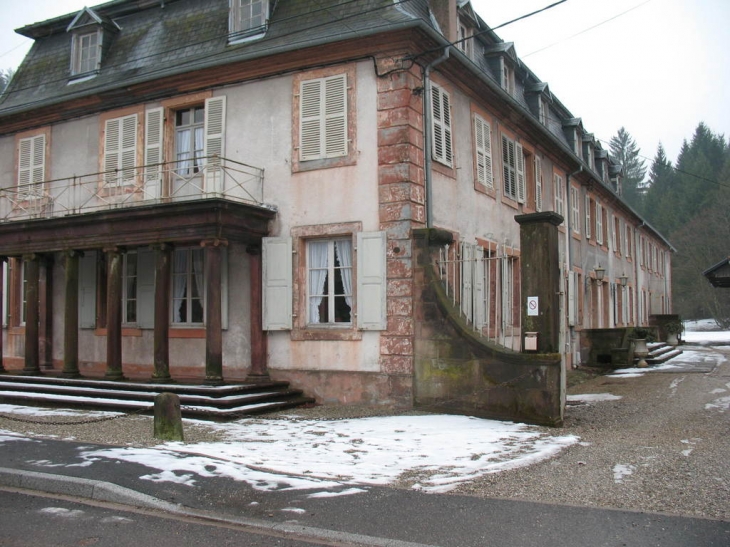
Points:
[[168, 420]]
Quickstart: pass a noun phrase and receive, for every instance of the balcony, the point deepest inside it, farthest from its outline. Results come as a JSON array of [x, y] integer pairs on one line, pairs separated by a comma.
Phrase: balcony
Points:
[[164, 183], [178, 202]]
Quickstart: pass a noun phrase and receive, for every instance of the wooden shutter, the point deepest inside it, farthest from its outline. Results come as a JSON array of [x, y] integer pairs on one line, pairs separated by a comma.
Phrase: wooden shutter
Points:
[[538, 184], [277, 283], [480, 304], [483, 151], [87, 290], [31, 163], [145, 288], [371, 281], [153, 155], [215, 129], [120, 149], [441, 125], [572, 298], [588, 217], [508, 167], [520, 169], [599, 224], [323, 118]]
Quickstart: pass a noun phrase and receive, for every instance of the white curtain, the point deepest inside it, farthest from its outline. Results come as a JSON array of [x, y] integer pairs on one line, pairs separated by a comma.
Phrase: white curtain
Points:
[[180, 281], [183, 151], [199, 147], [317, 275], [344, 255], [198, 274]]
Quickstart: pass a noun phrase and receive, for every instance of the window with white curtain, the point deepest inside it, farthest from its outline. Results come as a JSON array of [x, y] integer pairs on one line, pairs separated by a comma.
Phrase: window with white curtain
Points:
[[329, 281], [189, 140], [188, 287]]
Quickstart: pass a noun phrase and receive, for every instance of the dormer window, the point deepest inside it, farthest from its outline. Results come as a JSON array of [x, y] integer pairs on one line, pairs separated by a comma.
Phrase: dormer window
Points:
[[464, 42], [248, 19], [507, 78], [91, 34], [86, 53]]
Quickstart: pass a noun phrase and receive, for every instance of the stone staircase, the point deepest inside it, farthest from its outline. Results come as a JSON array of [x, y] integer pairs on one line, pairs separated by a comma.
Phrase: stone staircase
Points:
[[196, 401], [659, 352]]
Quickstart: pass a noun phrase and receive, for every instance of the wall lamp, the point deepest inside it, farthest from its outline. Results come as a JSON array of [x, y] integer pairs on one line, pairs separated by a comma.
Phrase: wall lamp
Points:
[[624, 279], [599, 271]]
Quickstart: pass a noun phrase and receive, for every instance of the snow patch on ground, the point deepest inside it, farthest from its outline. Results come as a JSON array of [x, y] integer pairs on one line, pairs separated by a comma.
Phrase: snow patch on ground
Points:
[[621, 471], [62, 512], [722, 404], [437, 451], [347, 492], [592, 397]]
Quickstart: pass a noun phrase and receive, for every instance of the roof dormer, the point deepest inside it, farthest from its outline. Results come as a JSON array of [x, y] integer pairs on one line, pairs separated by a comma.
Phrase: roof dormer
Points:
[[539, 98], [502, 60], [573, 131], [248, 19], [91, 35], [589, 144]]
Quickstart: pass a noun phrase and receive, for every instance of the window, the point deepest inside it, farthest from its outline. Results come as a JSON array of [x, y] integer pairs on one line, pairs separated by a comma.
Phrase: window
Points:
[[189, 140], [329, 281], [86, 53], [506, 76], [441, 125], [188, 287], [543, 111], [588, 216], [538, 184], [323, 118], [575, 206], [599, 224], [464, 41], [559, 194], [483, 152], [324, 282], [120, 150], [248, 17], [129, 288], [615, 234], [513, 167], [31, 166]]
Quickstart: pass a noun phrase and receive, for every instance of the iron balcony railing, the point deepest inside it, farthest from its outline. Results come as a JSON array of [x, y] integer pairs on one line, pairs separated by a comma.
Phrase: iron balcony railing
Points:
[[200, 178]]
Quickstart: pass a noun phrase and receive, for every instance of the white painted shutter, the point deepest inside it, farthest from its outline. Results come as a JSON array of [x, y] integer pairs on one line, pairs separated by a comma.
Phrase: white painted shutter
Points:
[[335, 116], [483, 146], [120, 149], [588, 217], [371, 281], [323, 118], [508, 165], [572, 298], [520, 168], [479, 306], [441, 125], [145, 288], [215, 130], [599, 223], [467, 270], [87, 290], [31, 164], [153, 156], [538, 184], [277, 283]]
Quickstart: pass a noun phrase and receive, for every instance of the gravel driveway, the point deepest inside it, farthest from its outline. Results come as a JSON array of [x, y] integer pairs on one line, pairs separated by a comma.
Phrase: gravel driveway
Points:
[[663, 447]]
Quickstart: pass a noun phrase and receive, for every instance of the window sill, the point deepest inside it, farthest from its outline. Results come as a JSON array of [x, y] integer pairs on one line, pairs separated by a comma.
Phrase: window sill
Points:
[[323, 333], [486, 190], [510, 202]]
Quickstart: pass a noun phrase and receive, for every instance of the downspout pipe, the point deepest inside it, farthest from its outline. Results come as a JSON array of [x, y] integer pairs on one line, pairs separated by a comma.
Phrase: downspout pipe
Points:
[[568, 207], [427, 134]]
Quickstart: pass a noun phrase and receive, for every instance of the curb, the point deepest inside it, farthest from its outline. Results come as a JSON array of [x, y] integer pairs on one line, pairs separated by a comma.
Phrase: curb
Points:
[[112, 493]]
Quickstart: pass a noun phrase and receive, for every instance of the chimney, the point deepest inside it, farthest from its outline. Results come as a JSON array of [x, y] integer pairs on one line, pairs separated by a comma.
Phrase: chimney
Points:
[[447, 17]]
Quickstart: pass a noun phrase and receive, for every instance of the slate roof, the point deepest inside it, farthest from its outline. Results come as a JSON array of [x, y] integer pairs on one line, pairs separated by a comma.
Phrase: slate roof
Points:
[[188, 35]]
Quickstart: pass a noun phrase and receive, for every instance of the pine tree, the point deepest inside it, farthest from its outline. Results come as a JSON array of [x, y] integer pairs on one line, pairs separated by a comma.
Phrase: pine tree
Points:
[[623, 148], [5, 76]]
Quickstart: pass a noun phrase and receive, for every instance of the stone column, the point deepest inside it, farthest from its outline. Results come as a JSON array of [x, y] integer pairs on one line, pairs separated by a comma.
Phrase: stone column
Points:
[[71, 317], [45, 303], [213, 324], [163, 264], [259, 370], [32, 363], [114, 314], [540, 277]]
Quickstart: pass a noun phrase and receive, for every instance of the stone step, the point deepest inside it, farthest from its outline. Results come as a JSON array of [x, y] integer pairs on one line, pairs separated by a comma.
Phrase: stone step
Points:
[[212, 402]]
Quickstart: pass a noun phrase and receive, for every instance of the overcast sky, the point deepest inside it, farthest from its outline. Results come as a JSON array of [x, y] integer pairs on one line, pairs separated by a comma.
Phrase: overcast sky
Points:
[[656, 67]]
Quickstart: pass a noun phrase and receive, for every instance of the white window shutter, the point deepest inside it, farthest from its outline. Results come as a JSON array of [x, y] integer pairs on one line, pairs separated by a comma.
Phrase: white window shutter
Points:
[[588, 217], [310, 124], [31, 163], [87, 290], [277, 283], [128, 148], [572, 298], [480, 273], [120, 149], [335, 116], [112, 131], [483, 147], [145, 288], [441, 125], [215, 130], [153, 158], [538, 184], [520, 168], [371, 281]]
